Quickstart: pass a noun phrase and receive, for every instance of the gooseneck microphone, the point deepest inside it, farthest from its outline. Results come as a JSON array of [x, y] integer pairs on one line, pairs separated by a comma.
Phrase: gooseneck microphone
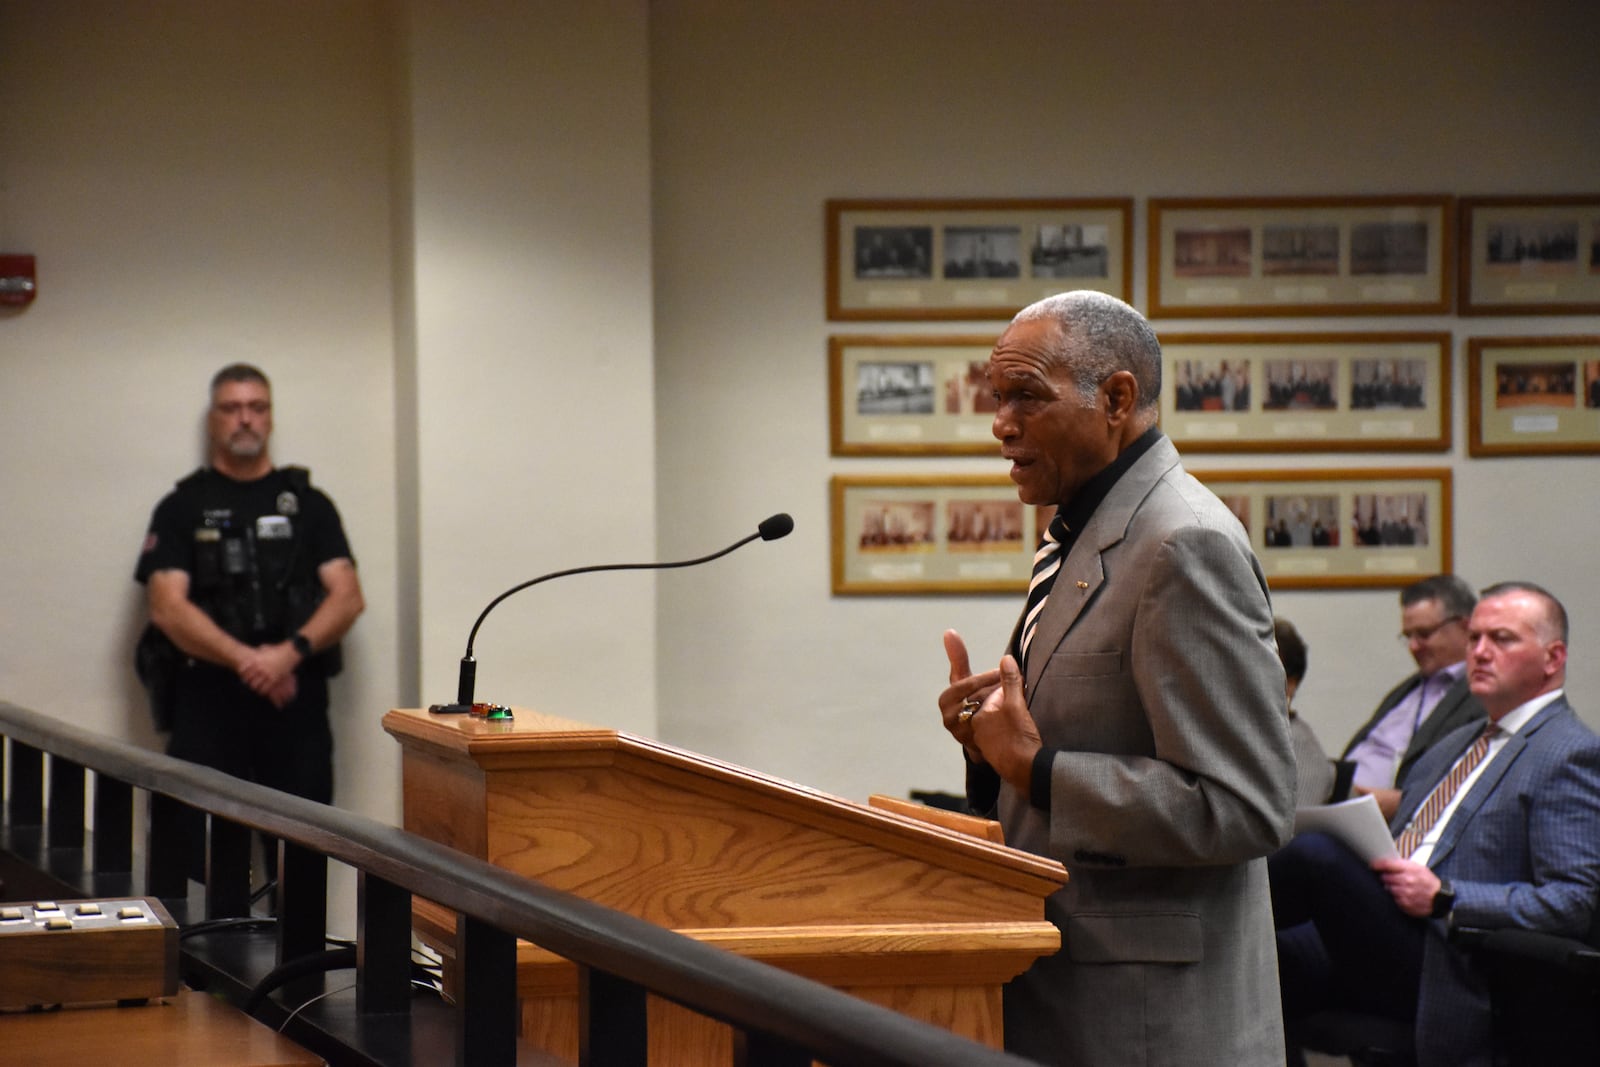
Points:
[[772, 528]]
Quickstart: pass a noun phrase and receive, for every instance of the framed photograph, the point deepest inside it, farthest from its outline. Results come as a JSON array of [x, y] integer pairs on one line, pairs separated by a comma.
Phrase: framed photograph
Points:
[[1340, 528], [1533, 396], [1369, 255], [1530, 255], [971, 259], [910, 396], [1286, 392], [900, 534]]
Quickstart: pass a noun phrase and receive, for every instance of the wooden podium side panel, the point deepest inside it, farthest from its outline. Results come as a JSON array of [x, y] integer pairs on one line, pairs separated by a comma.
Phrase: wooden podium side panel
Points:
[[685, 859], [443, 799], [969, 1010], [683, 1038]]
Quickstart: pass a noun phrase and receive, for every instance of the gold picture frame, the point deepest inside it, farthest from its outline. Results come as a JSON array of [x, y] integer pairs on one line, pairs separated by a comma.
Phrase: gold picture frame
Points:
[[910, 395], [1342, 528], [1254, 257], [1531, 396], [948, 533], [1302, 392], [1535, 255], [971, 259]]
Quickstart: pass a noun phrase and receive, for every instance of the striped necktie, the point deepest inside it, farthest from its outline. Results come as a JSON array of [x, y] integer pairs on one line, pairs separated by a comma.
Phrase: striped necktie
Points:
[[1439, 799], [1046, 562]]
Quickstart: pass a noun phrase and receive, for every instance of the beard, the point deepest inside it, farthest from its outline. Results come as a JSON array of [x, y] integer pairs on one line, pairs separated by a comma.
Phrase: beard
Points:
[[246, 445]]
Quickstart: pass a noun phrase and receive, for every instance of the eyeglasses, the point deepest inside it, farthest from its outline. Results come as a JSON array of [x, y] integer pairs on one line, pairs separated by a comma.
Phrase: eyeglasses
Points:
[[232, 408], [1422, 633]]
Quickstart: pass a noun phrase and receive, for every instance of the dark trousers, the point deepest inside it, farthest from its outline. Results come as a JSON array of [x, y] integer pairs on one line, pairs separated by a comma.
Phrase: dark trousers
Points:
[[1342, 940], [220, 723]]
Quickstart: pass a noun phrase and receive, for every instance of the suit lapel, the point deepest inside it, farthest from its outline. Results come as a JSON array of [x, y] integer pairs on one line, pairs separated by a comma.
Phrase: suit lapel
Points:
[[1083, 572], [1433, 727], [1395, 695], [1488, 781]]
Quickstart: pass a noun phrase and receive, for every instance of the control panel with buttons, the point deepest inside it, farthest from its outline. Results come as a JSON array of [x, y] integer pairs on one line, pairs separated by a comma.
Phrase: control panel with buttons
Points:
[[80, 951]]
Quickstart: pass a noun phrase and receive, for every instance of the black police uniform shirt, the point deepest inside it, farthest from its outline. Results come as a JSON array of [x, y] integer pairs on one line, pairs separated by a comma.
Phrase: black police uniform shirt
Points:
[[246, 546]]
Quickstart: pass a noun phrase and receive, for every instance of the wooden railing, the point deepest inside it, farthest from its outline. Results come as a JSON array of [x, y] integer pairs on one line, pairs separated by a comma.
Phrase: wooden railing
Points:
[[378, 1019]]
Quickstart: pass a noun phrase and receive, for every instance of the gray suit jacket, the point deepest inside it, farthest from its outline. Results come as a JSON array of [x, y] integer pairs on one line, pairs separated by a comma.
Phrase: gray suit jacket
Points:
[[1455, 709], [1154, 671], [1522, 850]]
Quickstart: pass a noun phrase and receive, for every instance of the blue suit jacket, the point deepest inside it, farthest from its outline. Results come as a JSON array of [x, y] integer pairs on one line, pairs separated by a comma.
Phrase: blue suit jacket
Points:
[[1522, 850]]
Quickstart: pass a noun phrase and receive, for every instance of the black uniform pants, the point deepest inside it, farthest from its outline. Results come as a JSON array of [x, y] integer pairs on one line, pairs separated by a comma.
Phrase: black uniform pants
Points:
[[219, 722]]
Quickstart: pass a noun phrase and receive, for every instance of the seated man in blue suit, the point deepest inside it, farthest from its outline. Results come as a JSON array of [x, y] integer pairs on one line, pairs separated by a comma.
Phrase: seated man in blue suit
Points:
[[1499, 826], [1427, 705]]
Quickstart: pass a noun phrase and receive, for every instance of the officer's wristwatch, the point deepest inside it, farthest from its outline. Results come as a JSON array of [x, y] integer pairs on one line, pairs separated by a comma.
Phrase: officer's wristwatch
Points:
[[302, 645], [1443, 900]]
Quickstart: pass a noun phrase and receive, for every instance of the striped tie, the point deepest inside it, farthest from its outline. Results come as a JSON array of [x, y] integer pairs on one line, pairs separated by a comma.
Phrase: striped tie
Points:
[[1046, 562], [1439, 799]]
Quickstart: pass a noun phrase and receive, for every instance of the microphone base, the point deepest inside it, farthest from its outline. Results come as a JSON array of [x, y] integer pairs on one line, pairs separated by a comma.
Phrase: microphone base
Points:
[[492, 712]]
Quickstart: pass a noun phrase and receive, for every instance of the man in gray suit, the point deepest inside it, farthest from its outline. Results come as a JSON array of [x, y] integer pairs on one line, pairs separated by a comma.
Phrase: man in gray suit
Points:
[[1499, 826], [1137, 729], [1429, 704]]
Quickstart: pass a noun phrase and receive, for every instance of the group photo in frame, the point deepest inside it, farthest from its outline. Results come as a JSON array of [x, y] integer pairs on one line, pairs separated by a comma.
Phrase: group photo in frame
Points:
[[971, 259], [1533, 396], [910, 395], [1342, 528], [1536, 255], [901, 534], [1287, 392], [1358, 255]]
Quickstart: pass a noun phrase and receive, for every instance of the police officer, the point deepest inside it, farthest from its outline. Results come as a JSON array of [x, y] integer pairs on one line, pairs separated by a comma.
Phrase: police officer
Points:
[[249, 575]]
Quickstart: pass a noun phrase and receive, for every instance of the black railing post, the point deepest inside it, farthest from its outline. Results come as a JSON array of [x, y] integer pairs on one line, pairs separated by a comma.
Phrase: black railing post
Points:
[[302, 901], [613, 1021], [227, 869], [764, 1050], [27, 785], [383, 946], [487, 1016], [166, 852], [65, 812], [113, 825]]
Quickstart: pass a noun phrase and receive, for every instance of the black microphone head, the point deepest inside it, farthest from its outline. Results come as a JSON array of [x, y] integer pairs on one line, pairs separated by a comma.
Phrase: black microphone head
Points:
[[779, 525]]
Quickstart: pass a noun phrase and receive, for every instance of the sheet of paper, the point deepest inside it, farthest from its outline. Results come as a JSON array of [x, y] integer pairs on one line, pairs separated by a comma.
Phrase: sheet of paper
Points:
[[1357, 822]]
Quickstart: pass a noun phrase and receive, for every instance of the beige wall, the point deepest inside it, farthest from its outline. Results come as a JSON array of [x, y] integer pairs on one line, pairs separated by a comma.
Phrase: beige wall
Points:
[[540, 284], [199, 188], [762, 112]]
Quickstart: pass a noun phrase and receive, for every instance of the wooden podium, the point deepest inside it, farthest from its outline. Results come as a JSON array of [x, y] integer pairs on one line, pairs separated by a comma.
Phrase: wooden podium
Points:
[[918, 917]]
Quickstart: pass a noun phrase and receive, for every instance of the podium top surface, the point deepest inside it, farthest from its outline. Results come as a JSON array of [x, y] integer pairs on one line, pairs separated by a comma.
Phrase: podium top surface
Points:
[[533, 741]]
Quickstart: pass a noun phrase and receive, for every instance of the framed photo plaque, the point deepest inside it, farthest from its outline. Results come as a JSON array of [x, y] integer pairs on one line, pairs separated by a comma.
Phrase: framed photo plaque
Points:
[[1342, 528], [1530, 255], [1372, 255], [1287, 392], [910, 396], [971, 259], [904, 534], [1533, 396]]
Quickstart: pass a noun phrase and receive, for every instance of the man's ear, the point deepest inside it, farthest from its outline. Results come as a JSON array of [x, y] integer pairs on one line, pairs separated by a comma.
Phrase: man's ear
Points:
[[1119, 396]]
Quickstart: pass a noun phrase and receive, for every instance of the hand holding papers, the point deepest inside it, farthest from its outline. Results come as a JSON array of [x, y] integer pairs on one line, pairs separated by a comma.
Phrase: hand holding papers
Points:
[[1357, 822]]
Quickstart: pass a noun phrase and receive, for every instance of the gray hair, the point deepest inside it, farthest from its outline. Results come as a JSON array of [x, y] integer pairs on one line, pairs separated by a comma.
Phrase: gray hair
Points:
[[1100, 335], [239, 372]]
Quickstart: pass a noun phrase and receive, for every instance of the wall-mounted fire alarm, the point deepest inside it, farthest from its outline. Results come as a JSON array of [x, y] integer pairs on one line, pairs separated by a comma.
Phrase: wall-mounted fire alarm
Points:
[[18, 283]]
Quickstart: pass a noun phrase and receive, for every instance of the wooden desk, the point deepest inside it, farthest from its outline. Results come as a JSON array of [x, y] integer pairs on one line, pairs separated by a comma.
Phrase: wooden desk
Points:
[[188, 1029]]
